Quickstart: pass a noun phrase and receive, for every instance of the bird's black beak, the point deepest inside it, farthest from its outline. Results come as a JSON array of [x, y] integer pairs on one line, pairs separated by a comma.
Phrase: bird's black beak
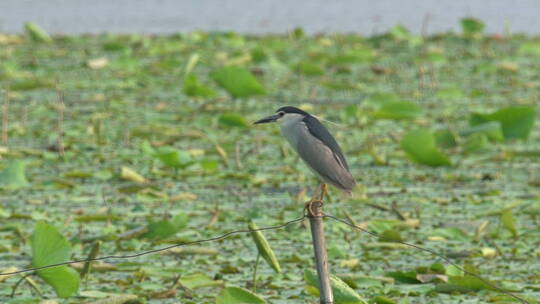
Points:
[[268, 119]]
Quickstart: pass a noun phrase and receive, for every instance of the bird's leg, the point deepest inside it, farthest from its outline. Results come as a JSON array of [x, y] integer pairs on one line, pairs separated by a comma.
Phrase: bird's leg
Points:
[[316, 193], [324, 191]]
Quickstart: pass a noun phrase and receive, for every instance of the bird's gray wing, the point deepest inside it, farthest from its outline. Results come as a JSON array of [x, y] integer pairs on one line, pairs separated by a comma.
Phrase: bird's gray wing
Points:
[[317, 129], [324, 161]]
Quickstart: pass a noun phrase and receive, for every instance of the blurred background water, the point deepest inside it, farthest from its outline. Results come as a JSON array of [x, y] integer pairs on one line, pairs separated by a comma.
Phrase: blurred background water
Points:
[[266, 16]]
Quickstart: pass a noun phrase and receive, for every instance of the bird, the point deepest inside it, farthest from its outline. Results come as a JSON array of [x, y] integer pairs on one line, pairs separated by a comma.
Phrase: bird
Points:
[[315, 146]]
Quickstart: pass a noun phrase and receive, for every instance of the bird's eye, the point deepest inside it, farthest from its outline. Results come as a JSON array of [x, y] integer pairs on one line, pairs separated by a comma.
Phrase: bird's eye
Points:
[[281, 113]]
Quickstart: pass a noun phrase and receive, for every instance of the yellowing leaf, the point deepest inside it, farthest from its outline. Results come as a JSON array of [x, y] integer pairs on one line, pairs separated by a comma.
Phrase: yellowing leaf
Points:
[[508, 221], [183, 196], [98, 63], [264, 248], [192, 62], [489, 252], [131, 175]]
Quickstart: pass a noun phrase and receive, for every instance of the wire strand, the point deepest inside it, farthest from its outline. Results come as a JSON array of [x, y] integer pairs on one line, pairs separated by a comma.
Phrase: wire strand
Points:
[[217, 238], [433, 252], [304, 216]]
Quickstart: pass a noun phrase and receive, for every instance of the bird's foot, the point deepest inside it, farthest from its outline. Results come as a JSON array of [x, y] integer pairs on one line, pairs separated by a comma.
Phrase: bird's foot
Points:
[[314, 208], [316, 201]]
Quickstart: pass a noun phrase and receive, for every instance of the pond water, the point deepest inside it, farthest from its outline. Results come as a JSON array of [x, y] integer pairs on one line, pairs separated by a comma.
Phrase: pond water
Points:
[[265, 16]]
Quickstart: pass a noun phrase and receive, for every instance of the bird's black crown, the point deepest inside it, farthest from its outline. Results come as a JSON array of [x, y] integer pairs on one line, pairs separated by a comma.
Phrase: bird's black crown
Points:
[[290, 109]]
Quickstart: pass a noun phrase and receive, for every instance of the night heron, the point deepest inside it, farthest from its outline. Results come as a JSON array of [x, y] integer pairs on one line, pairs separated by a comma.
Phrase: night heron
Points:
[[315, 145]]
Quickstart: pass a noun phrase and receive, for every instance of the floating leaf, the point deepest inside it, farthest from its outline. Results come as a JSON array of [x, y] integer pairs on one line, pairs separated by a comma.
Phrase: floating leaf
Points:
[[516, 122], [198, 280], [110, 298], [400, 32], [493, 130], [238, 81], [174, 158], [477, 142], [13, 175], [406, 277], [31, 84], [462, 284], [309, 68], [78, 174], [233, 120], [36, 33], [259, 55], [98, 63], [391, 235], [343, 293], [264, 247], [450, 93], [193, 88], [420, 147], [237, 295], [399, 110], [382, 98], [297, 33], [507, 67], [451, 233], [445, 139], [382, 300], [166, 228], [529, 48], [50, 247], [489, 252], [210, 165], [435, 55], [99, 217], [131, 175], [508, 221], [432, 278], [115, 46], [472, 27], [358, 55]]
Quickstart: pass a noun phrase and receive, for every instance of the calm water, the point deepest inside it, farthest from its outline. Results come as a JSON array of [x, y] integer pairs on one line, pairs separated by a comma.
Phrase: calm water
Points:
[[265, 16]]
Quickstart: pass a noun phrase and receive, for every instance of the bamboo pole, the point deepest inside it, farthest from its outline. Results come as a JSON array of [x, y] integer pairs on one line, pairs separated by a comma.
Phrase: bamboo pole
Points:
[[315, 215]]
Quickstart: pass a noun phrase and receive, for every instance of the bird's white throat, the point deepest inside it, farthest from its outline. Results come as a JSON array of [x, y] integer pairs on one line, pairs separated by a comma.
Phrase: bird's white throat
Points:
[[291, 125]]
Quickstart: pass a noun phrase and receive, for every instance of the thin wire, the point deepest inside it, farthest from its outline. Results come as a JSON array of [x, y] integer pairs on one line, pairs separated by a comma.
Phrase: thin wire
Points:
[[433, 252], [223, 236], [217, 238]]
